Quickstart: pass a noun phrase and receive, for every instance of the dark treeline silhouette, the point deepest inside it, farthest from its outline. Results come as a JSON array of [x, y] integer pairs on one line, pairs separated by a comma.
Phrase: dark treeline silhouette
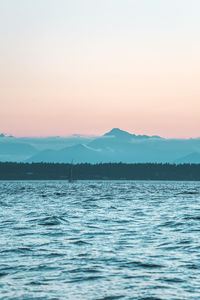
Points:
[[102, 171]]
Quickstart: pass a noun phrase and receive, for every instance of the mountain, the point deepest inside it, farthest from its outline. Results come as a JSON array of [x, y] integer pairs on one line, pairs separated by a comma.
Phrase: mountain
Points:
[[120, 146], [118, 133], [192, 158], [55, 142], [121, 134], [78, 153], [14, 151], [21, 149], [114, 146]]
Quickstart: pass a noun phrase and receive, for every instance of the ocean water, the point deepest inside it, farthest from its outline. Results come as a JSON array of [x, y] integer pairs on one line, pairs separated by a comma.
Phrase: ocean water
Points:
[[99, 240]]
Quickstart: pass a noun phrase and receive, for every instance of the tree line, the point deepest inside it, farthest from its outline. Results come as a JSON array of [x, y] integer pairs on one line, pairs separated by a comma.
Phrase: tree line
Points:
[[100, 171]]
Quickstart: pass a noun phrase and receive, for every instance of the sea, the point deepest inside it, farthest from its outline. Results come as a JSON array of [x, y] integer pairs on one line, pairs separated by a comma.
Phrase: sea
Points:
[[99, 240]]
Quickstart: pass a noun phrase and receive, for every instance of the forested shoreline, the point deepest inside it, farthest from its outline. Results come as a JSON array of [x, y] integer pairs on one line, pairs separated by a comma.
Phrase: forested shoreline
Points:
[[101, 171]]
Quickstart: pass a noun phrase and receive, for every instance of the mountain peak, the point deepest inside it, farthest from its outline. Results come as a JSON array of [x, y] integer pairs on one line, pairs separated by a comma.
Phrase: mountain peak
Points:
[[116, 132]]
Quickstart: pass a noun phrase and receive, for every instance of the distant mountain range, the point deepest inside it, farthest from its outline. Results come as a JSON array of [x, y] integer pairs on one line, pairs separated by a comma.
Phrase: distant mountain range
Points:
[[114, 146], [193, 158]]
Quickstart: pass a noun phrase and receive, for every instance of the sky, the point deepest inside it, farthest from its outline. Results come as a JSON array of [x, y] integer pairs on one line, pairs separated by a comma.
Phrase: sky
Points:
[[86, 66]]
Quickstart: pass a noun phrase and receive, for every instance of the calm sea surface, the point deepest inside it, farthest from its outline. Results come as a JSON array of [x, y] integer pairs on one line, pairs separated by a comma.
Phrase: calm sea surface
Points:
[[99, 240]]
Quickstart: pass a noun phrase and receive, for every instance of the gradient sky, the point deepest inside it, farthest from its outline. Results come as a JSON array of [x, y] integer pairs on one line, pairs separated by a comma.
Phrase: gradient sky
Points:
[[86, 66]]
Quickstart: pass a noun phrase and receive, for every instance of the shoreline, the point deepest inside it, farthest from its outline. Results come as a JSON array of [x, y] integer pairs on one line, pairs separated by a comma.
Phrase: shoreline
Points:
[[102, 171]]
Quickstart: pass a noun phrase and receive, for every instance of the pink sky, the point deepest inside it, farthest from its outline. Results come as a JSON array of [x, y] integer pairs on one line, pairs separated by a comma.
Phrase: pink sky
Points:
[[121, 65]]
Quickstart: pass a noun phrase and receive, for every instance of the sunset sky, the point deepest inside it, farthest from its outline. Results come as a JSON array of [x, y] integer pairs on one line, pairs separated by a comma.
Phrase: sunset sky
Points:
[[86, 66]]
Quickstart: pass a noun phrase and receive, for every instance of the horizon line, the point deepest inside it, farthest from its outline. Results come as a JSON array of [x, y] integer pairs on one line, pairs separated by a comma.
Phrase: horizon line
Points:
[[84, 135]]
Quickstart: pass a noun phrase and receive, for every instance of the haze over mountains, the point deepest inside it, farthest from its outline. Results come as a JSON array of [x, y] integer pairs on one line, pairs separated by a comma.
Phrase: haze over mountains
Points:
[[114, 146]]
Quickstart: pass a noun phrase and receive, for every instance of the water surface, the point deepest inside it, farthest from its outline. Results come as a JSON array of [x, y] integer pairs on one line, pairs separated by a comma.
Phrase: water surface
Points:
[[99, 240]]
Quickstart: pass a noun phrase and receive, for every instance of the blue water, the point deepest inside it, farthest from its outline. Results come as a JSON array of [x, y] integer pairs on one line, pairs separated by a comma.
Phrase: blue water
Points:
[[99, 240]]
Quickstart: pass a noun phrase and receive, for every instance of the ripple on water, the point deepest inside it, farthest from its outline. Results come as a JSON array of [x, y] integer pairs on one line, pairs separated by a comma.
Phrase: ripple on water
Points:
[[99, 240]]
